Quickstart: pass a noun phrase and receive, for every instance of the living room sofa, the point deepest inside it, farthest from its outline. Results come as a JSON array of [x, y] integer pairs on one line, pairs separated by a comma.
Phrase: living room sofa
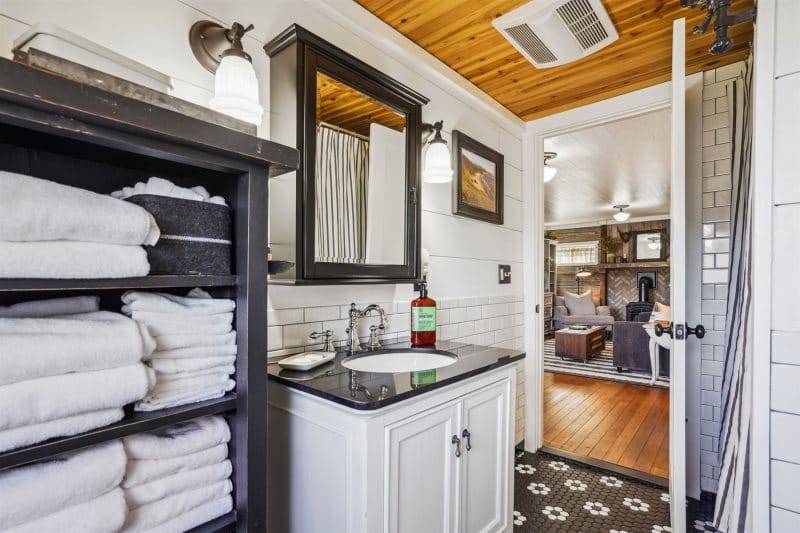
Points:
[[580, 309]]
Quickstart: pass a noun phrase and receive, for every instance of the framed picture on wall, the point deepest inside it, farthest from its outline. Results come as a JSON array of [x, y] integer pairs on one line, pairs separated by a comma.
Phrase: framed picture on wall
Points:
[[478, 189]]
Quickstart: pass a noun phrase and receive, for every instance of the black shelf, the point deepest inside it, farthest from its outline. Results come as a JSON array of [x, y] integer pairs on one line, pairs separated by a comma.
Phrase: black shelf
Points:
[[133, 423], [147, 282], [226, 522]]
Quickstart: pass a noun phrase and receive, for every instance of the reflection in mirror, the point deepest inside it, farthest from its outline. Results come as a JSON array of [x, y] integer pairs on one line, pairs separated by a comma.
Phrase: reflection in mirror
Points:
[[360, 177], [649, 246]]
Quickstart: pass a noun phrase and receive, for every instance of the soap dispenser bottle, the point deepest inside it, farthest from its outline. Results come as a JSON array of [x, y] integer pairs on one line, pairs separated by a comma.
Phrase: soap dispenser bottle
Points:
[[423, 318]]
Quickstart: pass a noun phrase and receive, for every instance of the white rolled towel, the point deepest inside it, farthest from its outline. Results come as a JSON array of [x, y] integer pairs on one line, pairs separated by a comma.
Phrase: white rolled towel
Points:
[[139, 471], [161, 187], [71, 260], [52, 307], [53, 397], [60, 427], [197, 516], [69, 479], [40, 347], [181, 366], [104, 514], [34, 209], [158, 512], [178, 439], [196, 351], [196, 302], [176, 483], [172, 342], [174, 398]]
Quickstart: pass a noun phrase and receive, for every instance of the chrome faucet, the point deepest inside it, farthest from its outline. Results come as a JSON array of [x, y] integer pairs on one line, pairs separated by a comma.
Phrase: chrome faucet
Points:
[[353, 344]]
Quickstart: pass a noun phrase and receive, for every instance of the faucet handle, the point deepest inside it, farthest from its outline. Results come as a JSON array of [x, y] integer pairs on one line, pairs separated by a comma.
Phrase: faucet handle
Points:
[[326, 335], [374, 342]]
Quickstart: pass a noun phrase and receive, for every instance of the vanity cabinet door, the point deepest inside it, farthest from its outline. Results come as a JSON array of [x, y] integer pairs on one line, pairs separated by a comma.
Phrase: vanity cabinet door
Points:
[[422, 472], [486, 461]]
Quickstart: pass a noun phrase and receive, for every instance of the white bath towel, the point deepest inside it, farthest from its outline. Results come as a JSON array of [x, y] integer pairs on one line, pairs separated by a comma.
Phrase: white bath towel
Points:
[[197, 516], [194, 383], [178, 439], [174, 398], [53, 397], [188, 327], [33, 209], [172, 342], [196, 351], [51, 307], [162, 187], [162, 377], [196, 302], [105, 514], [179, 366], [139, 471], [176, 483], [60, 427], [166, 319], [71, 260], [39, 347], [158, 512], [66, 480]]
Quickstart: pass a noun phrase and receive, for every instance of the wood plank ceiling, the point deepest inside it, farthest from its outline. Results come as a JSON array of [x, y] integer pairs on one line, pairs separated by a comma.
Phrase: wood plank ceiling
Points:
[[342, 106], [460, 34]]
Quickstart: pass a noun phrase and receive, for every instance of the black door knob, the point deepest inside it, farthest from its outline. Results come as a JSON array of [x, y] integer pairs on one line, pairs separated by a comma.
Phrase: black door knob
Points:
[[660, 330], [699, 331]]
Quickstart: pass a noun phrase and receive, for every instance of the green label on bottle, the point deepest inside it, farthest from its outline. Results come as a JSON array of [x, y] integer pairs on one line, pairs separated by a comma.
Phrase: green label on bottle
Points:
[[423, 319], [423, 377]]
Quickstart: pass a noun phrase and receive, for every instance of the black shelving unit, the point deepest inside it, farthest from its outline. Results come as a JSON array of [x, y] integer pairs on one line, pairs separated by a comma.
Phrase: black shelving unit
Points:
[[57, 129]]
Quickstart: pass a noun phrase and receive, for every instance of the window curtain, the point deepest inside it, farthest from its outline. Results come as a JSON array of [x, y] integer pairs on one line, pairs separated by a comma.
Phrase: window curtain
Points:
[[341, 196], [733, 494]]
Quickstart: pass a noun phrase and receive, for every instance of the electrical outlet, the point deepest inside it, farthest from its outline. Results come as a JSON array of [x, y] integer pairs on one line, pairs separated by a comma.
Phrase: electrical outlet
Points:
[[504, 273]]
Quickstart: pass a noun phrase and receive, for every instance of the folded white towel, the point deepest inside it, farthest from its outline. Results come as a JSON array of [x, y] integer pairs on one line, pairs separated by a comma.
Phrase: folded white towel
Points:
[[180, 482], [178, 439], [60, 427], [177, 321], [197, 516], [196, 302], [156, 513], [33, 209], [39, 347], [66, 480], [196, 351], [172, 342], [163, 377], [174, 398], [105, 514], [44, 399], [194, 383], [139, 471], [162, 187], [51, 307], [179, 366], [71, 260], [187, 327]]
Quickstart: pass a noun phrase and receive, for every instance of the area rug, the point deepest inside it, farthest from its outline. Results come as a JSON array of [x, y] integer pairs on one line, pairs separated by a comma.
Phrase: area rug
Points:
[[600, 366]]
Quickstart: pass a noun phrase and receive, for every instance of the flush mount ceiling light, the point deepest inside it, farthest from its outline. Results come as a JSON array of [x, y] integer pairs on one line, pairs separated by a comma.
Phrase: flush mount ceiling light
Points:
[[654, 244], [622, 216], [549, 172], [220, 51], [437, 166]]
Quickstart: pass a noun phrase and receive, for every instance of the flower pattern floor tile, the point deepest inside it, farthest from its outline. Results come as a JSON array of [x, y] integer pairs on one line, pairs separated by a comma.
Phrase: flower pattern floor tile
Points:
[[556, 495]]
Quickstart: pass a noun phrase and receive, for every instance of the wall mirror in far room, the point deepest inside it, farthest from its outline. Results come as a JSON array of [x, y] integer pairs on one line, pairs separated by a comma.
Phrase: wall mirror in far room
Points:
[[649, 246]]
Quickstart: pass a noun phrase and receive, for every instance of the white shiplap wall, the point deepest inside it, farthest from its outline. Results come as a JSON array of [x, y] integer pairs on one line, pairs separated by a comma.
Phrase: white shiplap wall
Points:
[[785, 387]]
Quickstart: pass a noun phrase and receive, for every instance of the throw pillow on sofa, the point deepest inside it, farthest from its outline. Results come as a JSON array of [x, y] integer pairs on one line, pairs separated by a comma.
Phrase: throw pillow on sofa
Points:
[[579, 304], [665, 310]]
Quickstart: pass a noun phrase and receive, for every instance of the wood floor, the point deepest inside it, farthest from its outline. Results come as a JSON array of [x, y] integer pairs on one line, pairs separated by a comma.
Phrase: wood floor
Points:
[[619, 423]]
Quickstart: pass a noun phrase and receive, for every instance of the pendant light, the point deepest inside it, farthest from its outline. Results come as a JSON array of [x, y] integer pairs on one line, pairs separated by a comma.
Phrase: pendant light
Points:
[[549, 172], [622, 216], [220, 51], [437, 165]]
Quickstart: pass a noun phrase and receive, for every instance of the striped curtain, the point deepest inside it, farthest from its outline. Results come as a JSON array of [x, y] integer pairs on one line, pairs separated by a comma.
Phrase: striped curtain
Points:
[[733, 494], [341, 196]]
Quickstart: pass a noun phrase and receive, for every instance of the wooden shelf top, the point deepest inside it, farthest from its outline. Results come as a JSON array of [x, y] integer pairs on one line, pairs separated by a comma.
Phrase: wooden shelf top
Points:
[[226, 522], [147, 282]]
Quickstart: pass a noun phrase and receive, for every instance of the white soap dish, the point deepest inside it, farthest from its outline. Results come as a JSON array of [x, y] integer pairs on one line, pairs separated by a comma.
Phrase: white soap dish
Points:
[[306, 361]]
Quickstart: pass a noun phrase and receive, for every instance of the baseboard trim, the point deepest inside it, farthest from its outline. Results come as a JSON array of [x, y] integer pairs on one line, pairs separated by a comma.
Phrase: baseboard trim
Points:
[[617, 469]]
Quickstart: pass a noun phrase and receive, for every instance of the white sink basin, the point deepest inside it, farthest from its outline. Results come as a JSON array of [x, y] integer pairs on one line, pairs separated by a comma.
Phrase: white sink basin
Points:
[[399, 361]]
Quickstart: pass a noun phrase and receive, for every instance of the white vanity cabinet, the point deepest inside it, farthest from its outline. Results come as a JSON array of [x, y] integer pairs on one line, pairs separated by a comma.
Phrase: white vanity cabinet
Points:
[[438, 462]]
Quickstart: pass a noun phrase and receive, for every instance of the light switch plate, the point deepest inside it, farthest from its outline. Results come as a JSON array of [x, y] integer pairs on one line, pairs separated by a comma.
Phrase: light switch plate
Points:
[[504, 273]]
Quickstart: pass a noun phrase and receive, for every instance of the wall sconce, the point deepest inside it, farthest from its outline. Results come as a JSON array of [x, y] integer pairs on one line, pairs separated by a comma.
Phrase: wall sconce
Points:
[[622, 216], [549, 172], [220, 51], [437, 164]]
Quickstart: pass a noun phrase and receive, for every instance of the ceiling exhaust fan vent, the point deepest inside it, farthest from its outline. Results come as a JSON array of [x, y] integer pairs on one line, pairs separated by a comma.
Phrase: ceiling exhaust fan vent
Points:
[[554, 32]]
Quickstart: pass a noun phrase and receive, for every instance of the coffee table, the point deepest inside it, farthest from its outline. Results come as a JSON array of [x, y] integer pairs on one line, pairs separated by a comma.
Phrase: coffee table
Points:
[[580, 343]]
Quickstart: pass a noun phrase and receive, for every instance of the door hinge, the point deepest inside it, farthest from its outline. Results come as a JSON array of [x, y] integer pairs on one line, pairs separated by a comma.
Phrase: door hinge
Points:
[[680, 332], [413, 192], [537, 309]]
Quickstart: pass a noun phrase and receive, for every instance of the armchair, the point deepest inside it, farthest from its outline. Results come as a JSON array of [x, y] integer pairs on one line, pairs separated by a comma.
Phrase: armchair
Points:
[[631, 347]]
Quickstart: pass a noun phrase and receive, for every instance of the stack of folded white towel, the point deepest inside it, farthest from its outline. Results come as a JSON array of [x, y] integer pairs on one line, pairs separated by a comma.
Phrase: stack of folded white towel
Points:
[[74, 492], [161, 187], [50, 230], [66, 368], [178, 477], [195, 345]]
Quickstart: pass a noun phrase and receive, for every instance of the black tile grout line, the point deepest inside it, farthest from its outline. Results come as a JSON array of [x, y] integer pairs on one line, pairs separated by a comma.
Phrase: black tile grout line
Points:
[[611, 467]]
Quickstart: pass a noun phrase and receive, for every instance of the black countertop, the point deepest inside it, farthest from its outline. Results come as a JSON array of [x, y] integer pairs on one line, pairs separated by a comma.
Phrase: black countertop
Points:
[[332, 381]]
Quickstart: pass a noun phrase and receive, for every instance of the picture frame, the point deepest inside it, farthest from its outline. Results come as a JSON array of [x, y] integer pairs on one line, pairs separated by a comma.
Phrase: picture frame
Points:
[[479, 181], [642, 250]]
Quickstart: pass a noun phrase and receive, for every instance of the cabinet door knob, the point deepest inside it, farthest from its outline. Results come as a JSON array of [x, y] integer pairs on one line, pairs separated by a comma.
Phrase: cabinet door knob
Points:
[[466, 435], [455, 440]]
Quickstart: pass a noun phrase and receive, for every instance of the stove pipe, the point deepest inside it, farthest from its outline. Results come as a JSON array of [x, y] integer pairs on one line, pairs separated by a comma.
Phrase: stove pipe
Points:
[[645, 285]]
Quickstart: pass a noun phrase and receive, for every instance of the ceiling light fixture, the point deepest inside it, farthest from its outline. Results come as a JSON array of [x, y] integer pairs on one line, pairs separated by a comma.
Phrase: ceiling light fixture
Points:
[[654, 244], [437, 166], [549, 172], [220, 51], [622, 216]]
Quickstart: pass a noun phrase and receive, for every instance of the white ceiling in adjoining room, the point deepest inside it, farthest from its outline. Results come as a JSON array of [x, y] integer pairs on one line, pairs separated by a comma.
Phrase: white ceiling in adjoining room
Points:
[[622, 162]]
